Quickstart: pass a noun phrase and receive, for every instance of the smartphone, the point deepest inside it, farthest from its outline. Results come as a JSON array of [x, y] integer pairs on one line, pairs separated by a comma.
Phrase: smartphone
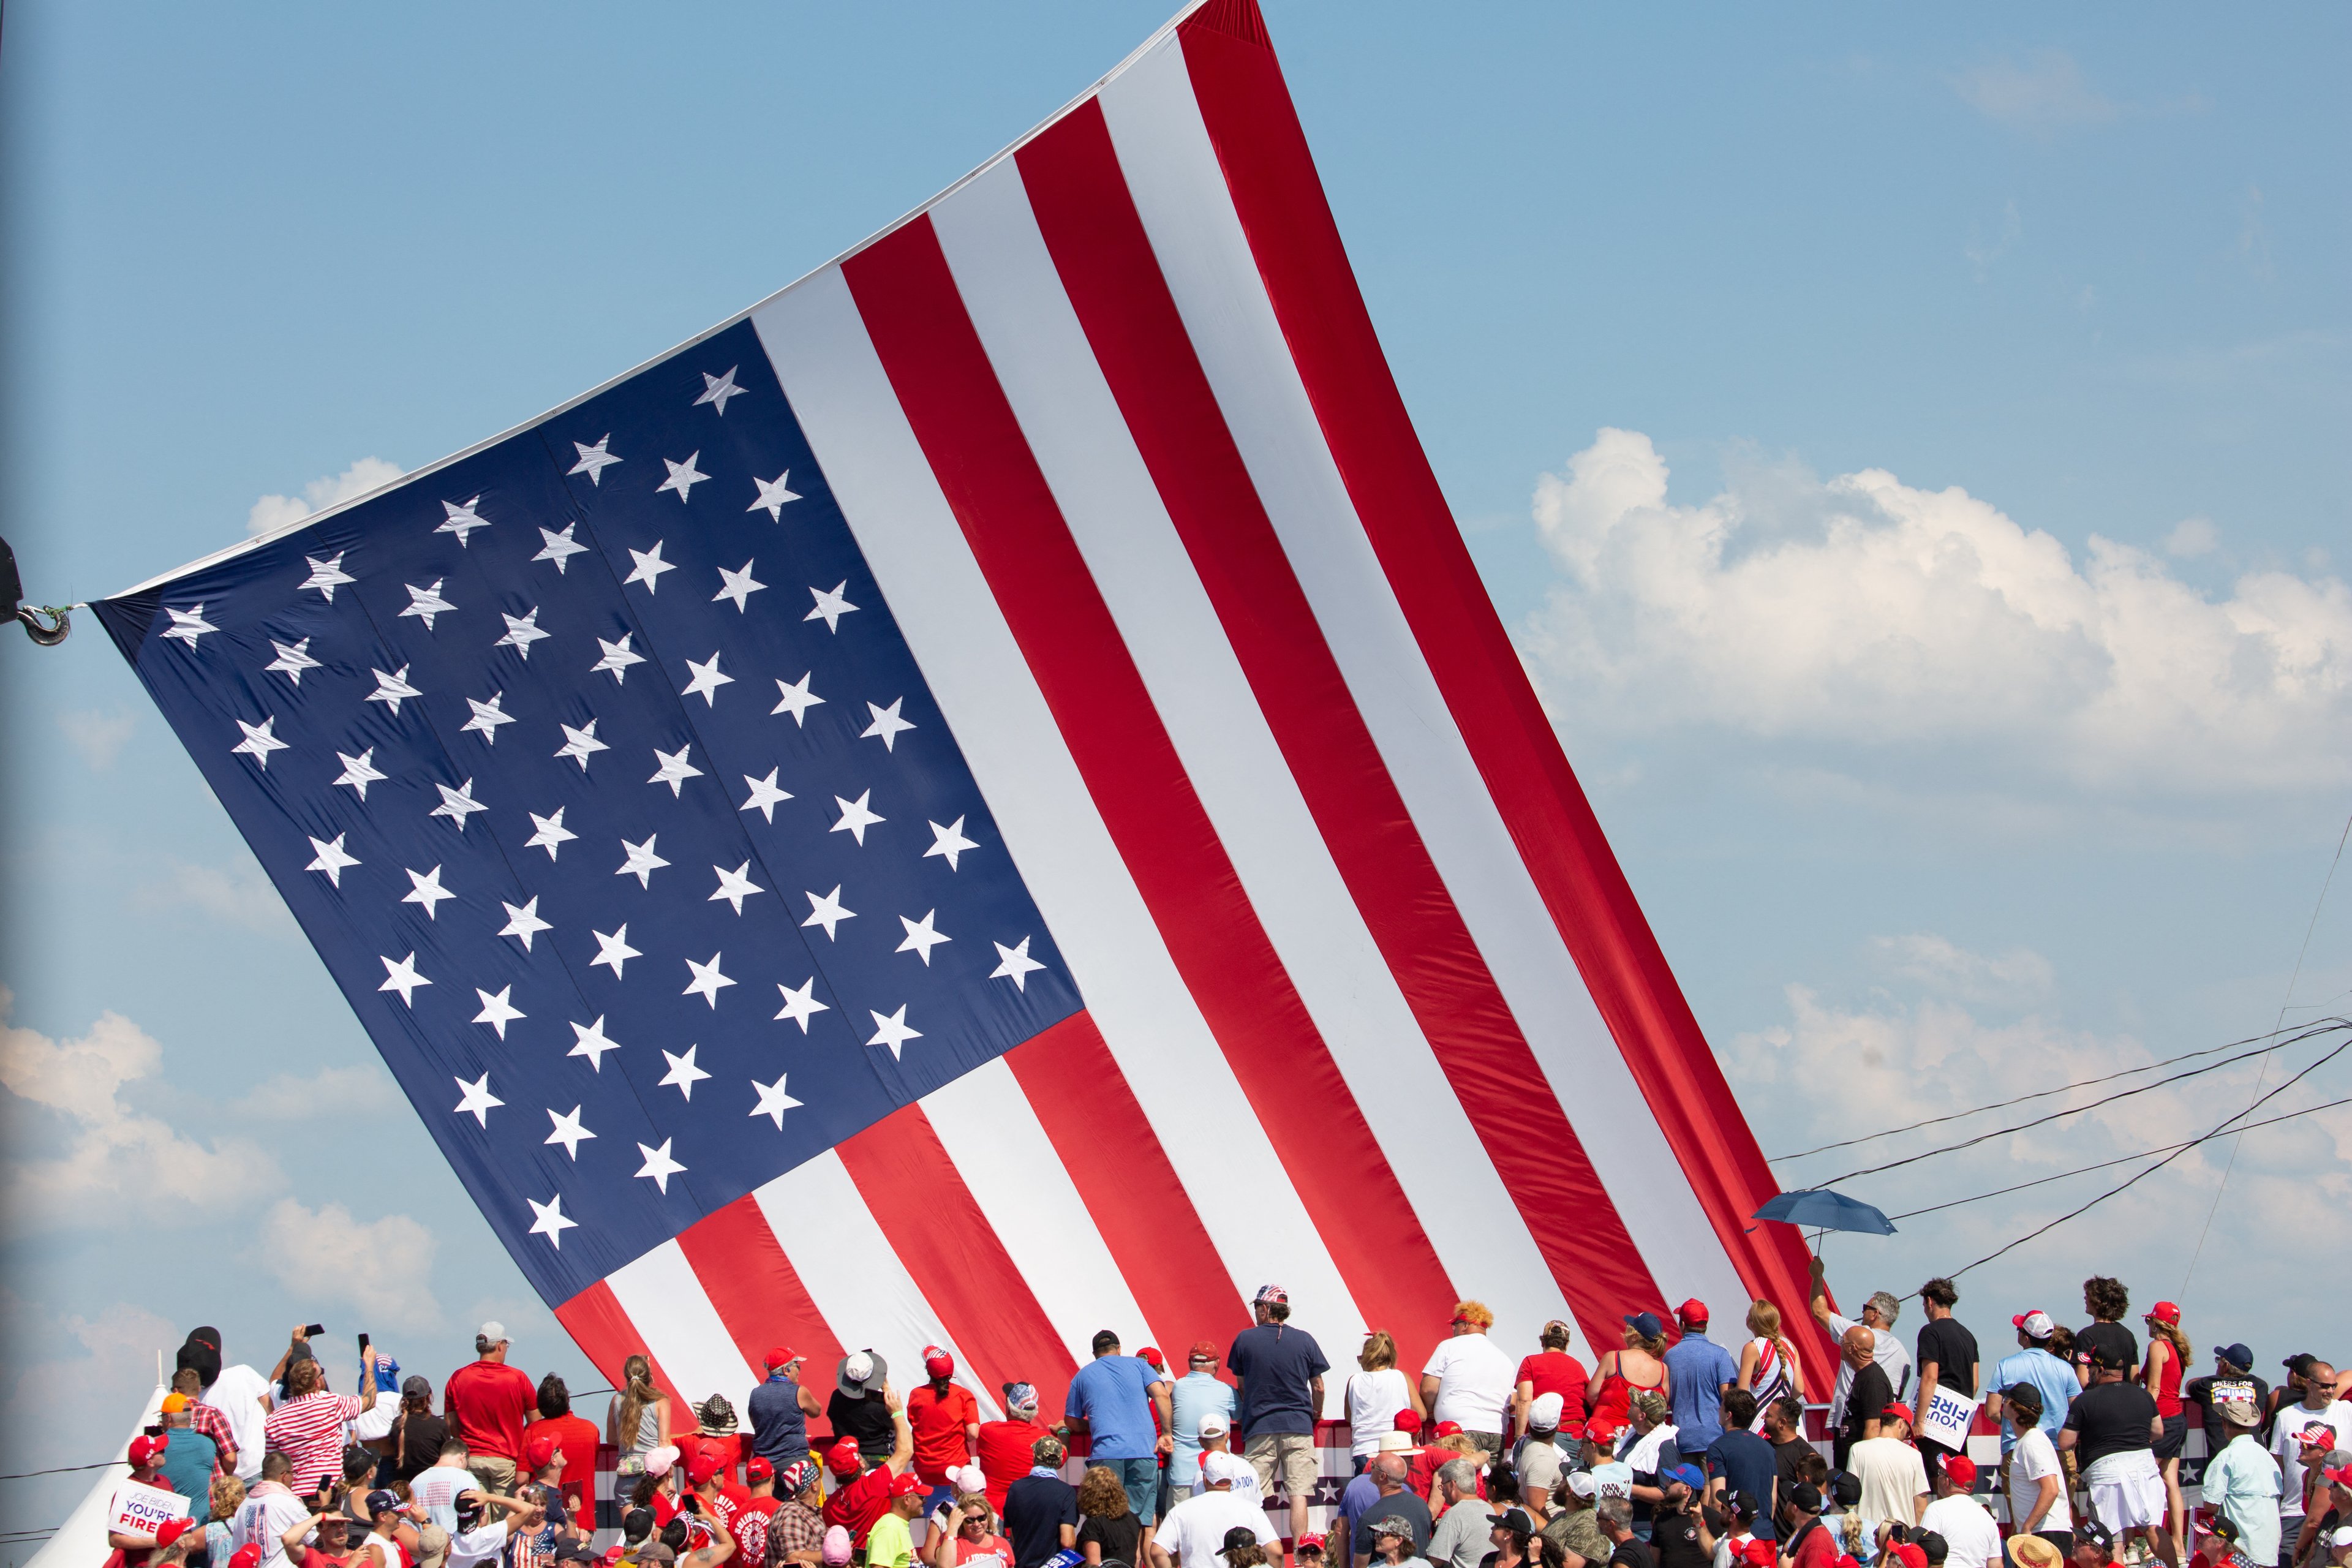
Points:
[[363, 1344], [314, 1330], [154, 1431]]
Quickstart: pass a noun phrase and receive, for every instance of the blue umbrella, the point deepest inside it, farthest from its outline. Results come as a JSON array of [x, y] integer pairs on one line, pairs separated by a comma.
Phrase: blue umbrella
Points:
[[1826, 1210]]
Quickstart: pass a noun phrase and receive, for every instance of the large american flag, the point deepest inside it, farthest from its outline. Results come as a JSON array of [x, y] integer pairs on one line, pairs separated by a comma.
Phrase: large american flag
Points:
[[979, 801]]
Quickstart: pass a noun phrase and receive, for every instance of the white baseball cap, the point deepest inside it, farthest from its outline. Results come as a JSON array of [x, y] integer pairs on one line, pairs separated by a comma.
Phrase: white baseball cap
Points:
[[494, 1331], [1544, 1411], [1214, 1425], [1224, 1467]]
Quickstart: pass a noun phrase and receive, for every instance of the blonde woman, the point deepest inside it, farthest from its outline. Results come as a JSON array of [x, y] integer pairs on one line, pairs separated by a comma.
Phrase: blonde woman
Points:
[[1640, 1367], [1769, 1367], [638, 1421], [1375, 1392]]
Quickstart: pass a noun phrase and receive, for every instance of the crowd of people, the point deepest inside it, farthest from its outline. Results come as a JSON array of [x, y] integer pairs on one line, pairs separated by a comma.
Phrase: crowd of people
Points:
[[1671, 1450]]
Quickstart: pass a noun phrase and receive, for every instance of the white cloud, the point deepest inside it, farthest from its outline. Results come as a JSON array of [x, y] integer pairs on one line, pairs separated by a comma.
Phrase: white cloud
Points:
[[1944, 965], [2192, 536], [2039, 94], [239, 893], [382, 1266], [336, 1091], [98, 737], [112, 1152], [1862, 610], [275, 511]]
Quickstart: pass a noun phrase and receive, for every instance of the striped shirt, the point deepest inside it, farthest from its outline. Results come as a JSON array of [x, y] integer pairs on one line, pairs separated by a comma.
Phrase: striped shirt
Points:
[[309, 1432]]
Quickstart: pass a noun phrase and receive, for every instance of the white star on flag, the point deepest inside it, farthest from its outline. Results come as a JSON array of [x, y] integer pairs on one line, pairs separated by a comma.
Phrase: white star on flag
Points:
[[830, 606], [488, 717], [826, 911], [734, 886], [293, 659], [332, 859], [392, 690], [547, 1219], [706, 981], [592, 1044], [650, 566], [642, 862], [797, 698], [327, 576], [578, 744], [855, 818], [718, 389], [559, 546], [736, 586], [258, 742], [949, 841], [426, 602], [403, 977], [551, 831], [707, 680], [478, 1102], [1017, 966], [523, 922], [568, 1131], [683, 477], [425, 888], [613, 951], [593, 462], [801, 1005], [188, 625], [774, 1100], [887, 726], [458, 804], [892, 1031], [617, 658], [521, 632], [765, 795], [774, 496], [358, 772], [683, 1074], [658, 1164], [922, 937], [675, 770], [497, 1011], [462, 520]]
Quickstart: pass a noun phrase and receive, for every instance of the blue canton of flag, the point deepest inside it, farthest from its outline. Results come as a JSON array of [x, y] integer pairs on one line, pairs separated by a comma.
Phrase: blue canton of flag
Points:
[[609, 791]]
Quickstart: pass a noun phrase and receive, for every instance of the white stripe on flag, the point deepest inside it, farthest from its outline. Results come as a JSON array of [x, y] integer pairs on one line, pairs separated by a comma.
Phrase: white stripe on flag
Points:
[[1180, 191], [985, 1123], [1075, 429], [682, 1330], [863, 1292], [1253, 1216]]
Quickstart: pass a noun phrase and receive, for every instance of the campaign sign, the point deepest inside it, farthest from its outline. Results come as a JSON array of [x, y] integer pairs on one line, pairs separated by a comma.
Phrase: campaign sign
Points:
[[1948, 1417], [141, 1509]]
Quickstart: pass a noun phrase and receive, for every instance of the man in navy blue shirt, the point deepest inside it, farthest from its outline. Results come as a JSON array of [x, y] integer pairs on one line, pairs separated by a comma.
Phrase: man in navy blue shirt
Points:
[[779, 1409], [1281, 1369], [1111, 1401], [1699, 1371], [1739, 1461]]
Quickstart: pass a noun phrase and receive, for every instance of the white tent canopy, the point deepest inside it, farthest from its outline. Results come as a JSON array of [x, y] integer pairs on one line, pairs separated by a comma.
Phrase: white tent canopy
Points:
[[81, 1540]]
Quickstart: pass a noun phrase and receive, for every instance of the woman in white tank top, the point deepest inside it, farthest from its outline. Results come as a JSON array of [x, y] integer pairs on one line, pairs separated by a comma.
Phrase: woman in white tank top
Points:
[[1768, 1363], [1375, 1394]]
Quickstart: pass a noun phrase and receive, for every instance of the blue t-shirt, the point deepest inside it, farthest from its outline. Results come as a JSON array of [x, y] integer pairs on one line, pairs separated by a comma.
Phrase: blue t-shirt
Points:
[[1276, 1365], [188, 1468], [1698, 1368], [2053, 1378], [1746, 1464], [1359, 1495], [1192, 1396], [779, 1426], [1109, 1394]]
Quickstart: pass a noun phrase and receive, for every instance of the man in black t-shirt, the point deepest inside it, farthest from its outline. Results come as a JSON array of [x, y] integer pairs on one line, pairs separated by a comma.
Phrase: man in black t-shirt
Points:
[[2112, 1425], [2232, 1378], [1678, 1535], [1615, 1517], [1871, 1394], [1946, 1359]]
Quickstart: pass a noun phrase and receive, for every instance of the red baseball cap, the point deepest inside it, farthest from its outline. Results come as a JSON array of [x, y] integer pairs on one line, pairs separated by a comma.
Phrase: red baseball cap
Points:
[[170, 1530], [1449, 1428], [782, 1355], [1406, 1421], [759, 1470], [2165, 1312], [1910, 1554], [1151, 1354], [1205, 1350], [540, 1451], [938, 1363], [1309, 1543], [1757, 1553], [842, 1459], [1692, 1311], [701, 1468], [2341, 1476], [1601, 1429], [908, 1484], [245, 1557], [1903, 1411], [1963, 1470], [143, 1449]]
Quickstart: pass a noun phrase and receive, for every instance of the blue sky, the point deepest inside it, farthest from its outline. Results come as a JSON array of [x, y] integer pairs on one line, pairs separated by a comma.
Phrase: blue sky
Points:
[[1937, 585]]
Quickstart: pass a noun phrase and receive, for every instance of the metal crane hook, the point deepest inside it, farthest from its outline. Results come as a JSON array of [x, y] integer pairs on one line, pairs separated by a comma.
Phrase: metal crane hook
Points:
[[47, 624]]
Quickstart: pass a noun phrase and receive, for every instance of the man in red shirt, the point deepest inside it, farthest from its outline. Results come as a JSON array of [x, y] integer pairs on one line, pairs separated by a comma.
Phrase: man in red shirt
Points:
[[857, 1503], [575, 1436], [1552, 1371], [945, 1420], [487, 1402]]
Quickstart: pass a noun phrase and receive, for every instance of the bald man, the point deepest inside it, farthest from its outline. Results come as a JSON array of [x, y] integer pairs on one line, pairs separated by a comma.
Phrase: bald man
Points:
[[1871, 1394]]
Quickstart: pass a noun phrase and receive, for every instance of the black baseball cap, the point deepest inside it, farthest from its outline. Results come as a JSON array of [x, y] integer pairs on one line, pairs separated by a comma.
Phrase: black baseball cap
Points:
[[2097, 1534], [1513, 1518], [1805, 1498], [2238, 1355]]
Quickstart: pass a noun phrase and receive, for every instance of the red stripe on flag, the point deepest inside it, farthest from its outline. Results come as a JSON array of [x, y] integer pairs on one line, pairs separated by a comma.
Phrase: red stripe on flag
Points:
[[974, 444], [604, 1334], [1123, 1176], [932, 1223], [1107, 267], [754, 1288], [1246, 107]]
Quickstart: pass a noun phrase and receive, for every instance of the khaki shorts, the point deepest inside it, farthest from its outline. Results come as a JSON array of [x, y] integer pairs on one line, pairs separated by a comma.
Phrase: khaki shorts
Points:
[[496, 1475], [1290, 1453]]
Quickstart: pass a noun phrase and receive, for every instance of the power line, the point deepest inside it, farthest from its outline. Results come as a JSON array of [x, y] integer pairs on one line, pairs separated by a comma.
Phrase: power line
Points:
[[2327, 1027], [2103, 1164], [2037, 1094]]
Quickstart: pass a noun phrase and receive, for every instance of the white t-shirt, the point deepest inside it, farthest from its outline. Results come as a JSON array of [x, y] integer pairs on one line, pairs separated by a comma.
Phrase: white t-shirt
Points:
[[2033, 1457], [481, 1544], [1373, 1400], [1970, 1533], [437, 1488], [236, 1393], [264, 1521], [1475, 1382], [1193, 1532], [1642, 1454], [1889, 1357], [2287, 1447], [1893, 1479]]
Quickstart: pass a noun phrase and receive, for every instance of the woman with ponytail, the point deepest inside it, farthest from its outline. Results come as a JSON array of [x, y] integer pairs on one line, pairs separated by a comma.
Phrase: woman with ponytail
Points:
[[1767, 1362], [638, 1421], [2161, 1373]]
